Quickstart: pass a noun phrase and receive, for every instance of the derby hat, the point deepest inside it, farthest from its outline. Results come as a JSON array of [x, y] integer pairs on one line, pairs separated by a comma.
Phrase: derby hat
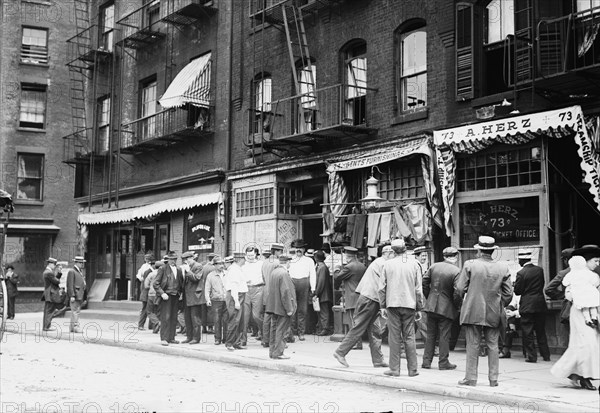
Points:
[[485, 242], [171, 255], [588, 251], [299, 243]]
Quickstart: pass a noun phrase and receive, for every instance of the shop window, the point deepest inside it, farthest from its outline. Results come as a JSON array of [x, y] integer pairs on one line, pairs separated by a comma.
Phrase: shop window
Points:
[[261, 104], [355, 72], [412, 67], [498, 169], [34, 45], [287, 196], [200, 231], [33, 106], [401, 182], [30, 176], [254, 202]]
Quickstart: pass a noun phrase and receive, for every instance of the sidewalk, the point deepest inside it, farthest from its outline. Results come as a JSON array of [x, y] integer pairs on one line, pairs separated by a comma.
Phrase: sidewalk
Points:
[[523, 386]]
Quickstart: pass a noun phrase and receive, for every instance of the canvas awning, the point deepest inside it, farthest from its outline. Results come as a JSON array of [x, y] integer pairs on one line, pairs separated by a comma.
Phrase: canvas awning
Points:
[[32, 228], [145, 211], [191, 85], [514, 130]]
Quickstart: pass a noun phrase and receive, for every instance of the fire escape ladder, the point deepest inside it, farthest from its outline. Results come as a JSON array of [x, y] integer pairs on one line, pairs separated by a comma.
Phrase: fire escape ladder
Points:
[[524, 51]]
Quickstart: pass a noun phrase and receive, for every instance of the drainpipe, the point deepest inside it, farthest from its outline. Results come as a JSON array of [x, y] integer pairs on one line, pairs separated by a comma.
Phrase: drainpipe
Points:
[[229, 140]]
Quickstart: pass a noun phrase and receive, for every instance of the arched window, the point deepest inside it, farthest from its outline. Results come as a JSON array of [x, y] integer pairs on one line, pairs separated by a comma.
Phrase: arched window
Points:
[[261, 103], [412, 66], [355, 73]]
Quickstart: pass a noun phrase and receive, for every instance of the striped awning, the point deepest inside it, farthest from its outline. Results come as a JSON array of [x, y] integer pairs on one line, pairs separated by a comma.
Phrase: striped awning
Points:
[[191, 85], [146, 211]]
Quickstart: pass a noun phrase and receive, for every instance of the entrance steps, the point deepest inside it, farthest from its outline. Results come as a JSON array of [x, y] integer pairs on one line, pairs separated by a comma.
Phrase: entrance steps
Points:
[[113, 310]]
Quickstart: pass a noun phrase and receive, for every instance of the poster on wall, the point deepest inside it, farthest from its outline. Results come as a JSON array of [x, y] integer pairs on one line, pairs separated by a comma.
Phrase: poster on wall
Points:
[[201, 231], [514, 221]]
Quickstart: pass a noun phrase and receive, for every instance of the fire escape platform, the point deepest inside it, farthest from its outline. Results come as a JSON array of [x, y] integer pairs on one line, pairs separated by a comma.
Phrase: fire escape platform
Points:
[[579, 82], [142, 38], [273, 14], [189, 14], [325, 137], [161, 142]]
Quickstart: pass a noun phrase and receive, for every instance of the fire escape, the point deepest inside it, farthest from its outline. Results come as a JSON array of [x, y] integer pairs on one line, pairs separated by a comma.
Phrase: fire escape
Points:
[[154, 22], [319, 117]]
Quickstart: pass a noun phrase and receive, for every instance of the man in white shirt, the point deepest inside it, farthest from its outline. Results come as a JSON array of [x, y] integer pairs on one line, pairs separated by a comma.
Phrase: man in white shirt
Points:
[[236, 289], [145, 269], [253, 304], [304, 276]]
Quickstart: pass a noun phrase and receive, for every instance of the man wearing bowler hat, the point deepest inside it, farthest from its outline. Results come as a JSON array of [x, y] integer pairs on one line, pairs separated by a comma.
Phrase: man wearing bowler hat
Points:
[[348, 277], [75, 292], [485, 287], [168, 285], [304, 276], [51, 293]]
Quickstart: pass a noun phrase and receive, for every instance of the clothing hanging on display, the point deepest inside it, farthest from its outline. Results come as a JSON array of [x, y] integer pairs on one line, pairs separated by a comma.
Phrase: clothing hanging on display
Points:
[[373, 229]]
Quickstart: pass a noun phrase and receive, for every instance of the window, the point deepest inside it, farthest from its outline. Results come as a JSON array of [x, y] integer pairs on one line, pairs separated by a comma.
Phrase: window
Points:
[[413, 69], [27, 252], [287, 195], [499, 169], [152, 15], [402, 181], [262, 104], [255, 202], [307, 113], [583, 5], [103, 124], [34, 46], [200, 230], [148, 109], [30, 176], [107, 24], [500, 20], [355, 68], [33, 106]]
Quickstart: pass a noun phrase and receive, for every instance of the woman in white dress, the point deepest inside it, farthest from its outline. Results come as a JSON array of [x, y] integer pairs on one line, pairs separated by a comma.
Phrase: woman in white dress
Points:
[[581, 361]]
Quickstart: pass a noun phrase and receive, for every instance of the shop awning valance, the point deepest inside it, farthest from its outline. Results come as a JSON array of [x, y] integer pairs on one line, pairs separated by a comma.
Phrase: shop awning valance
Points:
[[514, 130], [145, 211], [338, 193], [191, 85], [31, 229]]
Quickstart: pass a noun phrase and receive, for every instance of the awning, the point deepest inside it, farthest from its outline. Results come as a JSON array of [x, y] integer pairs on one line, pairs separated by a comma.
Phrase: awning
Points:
[[169, 205], [514, 130], [31, 229], [191, 85], [338, 193]]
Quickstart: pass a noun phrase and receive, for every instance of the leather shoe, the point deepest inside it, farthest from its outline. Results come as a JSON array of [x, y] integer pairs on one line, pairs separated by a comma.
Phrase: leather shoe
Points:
[[546, 358], [156, 329], [164, 343], [382, 364], [238, 347], [341, 359], [50, 329], [493, 383], [528, 360], [187, 340], [467, 382], [504, 355], [392, 373], [586, 384], [265, 345], [230, 348], [217, 342], [357, 347], [448, 366], [282, 357], [173, 342], [413, 373], [425, 366], [195, 342]]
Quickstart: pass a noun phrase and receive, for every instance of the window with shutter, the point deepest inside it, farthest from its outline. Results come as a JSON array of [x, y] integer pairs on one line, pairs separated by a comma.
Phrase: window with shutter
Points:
[[465, 79]]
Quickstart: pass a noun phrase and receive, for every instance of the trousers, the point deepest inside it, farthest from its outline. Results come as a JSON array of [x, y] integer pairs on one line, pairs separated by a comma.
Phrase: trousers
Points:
[[253, 307], [530, 323], [193, 322], [279, 327], [143, 315], [49, 309], [168, 318], [75, 310], [366, 314], [490, 335], [438, 328], [235, 319], [299, 318], [401, 327]]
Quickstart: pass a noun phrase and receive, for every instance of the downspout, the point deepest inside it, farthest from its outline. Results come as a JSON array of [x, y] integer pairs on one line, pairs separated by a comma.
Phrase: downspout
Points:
[[229, 140]]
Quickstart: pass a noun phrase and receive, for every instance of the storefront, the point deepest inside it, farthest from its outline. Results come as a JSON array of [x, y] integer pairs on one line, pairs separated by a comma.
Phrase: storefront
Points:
[[117, 240], [529, 181]]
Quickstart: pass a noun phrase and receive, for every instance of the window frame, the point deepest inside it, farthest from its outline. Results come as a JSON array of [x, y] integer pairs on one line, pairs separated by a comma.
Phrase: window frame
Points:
[[147, 127], [405, 32], [103, 122], [46, 51], [355, 90], [39, 179], [33, 87], [260, 110], [106, 37]]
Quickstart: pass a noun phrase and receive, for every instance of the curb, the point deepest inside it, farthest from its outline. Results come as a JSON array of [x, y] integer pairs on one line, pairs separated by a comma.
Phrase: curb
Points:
[[399, 383]]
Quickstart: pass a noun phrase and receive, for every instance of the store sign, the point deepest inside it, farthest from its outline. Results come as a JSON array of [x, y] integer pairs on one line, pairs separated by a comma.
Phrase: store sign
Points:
[[201, 232], [507, 220]]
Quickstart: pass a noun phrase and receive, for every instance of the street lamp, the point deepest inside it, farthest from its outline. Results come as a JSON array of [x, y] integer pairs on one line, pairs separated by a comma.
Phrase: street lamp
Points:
[[372, 200]]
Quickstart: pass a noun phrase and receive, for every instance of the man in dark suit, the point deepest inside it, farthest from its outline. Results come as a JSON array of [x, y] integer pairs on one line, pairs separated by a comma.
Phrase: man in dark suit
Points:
[[323, 292], [75, 292], [529, 284], [268, 266], [12, 290], [281, 304], [348, 278], [168, 285], [193, 297], [555, 289], [439, 287], [51, 293]]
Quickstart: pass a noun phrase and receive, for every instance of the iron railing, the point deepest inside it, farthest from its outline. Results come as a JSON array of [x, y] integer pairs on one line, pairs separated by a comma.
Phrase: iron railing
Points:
[[77, 146], [269, 6], [142, 26], [167, 7], [84, 47]]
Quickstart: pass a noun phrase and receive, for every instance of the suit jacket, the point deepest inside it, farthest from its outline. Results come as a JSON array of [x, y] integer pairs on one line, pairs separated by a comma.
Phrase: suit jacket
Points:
[[323, 289], [145, 290], [194, 293], [160, 282], [488, 290], [51, 284], [351, 274], [11, 286], [267, 269], [75, 284], [439, 287], [529, 284], [200, 287], [555, 289], [401, 284], [282, 298]]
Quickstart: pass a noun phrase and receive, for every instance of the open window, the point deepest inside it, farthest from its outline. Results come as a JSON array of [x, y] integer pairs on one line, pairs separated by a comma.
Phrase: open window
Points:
[[355, 72], [411, 39], [262, 99]]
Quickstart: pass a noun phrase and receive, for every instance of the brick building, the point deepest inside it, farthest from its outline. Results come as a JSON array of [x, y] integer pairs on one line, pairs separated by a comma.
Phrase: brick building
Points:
[[35, 113]]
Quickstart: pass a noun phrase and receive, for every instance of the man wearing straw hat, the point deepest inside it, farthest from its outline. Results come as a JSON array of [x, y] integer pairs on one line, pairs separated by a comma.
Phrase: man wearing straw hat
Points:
[[75, 292], [484, 284]]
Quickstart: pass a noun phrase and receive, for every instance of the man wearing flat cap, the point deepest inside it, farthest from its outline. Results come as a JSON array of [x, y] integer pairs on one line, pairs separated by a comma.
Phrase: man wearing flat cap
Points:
[[51, 293], [214, 293], [529, 284], [304, 276], [485, 287], [75, 291], [168, 285], [192, 276], [440, 284], [348, 277], [281, 304]]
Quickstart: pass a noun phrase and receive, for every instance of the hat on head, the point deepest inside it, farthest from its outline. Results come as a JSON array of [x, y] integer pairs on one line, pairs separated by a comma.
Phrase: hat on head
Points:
[[449, 252], [238, 255], [284, 258], [398, 242], [79, 258], [525, 254], [266, 254], [218, 260], [420, 249], [228, 259], [320, 255], [299, 243], [165, 258], [310, 252], [386, 248], [485, 242], [212, 255], [52, 260], [149, 256], [350, 250], [171, 255], [277, 246], [158, 264], [567, 253], [187, 254], [588, 251]]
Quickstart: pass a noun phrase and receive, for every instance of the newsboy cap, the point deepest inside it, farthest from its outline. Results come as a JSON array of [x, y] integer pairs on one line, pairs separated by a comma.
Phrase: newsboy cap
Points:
[[449, 252], [187, 254]]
